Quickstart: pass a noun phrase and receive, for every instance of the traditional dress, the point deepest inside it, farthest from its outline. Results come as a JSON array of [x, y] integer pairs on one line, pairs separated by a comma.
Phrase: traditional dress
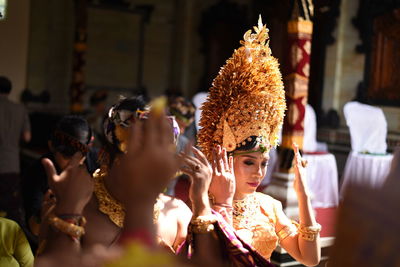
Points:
[[255, 218]]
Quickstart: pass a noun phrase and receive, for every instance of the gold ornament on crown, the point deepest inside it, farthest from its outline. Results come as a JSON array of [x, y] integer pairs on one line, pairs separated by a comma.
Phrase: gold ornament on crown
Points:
[[246, 98]]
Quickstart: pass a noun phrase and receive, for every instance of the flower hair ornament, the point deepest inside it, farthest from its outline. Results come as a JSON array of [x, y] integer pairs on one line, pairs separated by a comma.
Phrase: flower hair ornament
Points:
[[246, 99], [118, 122]]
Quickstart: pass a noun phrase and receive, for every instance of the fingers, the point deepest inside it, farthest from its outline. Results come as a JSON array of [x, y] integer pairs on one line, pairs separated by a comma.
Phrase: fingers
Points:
[[191, 165], [218, 160], [214, 162], [199, 155], [136, 137], [297, 155], [50, 170], [192, 161], [224, 157], [167, 130], [150, 131], [231, 163]]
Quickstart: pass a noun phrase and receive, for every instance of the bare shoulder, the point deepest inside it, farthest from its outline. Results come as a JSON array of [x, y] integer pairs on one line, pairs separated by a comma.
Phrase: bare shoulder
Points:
[[175, 204]]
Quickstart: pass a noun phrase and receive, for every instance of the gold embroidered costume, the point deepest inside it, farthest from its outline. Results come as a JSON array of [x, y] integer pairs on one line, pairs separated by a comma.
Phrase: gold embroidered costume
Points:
[[109, 205], [255, 218]]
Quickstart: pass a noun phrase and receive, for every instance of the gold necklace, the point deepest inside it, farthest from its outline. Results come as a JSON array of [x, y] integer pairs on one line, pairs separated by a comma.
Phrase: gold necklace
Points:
[[112, 207], [245, 211]]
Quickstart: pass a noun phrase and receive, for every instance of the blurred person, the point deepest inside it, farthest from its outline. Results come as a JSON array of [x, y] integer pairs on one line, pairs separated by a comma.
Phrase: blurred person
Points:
[[98, 104], [183, 111], [137, 175], [14, 247], [71, 134], [367, 223], [241, 120], [14, 127], [104, 212]]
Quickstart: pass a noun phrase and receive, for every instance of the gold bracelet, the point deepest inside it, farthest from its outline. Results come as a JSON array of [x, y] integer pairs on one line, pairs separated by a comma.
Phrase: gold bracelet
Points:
[[288, 230], [75, 231], [312, 229], [203, 224], [309, 233]]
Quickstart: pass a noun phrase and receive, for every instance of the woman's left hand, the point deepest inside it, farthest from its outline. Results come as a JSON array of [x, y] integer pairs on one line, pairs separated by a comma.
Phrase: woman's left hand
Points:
[[300, 183]]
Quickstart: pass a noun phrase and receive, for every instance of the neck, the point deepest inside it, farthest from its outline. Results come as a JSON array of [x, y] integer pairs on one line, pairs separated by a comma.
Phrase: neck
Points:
[[112, 185], [239, 196]]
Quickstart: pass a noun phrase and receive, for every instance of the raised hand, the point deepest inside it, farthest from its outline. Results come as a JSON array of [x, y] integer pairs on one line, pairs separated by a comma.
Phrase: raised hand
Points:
[[299, 164], [73, 188], [223, 183], [200, 172], [150, 162]]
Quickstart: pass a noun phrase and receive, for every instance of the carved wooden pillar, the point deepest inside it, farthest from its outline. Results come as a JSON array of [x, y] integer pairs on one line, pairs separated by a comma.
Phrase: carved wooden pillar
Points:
[[296, 87], [80, 46]]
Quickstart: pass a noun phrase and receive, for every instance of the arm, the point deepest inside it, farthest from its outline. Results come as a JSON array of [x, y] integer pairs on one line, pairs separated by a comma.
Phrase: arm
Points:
[[26, 136], [207, 249], [222, 188], [23, 253], [26, 129], [307, 252], [73, 189], [183, 219]]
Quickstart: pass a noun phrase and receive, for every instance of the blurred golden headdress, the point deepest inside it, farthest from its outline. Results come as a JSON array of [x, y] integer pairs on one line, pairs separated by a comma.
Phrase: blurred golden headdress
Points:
[[246, 98]]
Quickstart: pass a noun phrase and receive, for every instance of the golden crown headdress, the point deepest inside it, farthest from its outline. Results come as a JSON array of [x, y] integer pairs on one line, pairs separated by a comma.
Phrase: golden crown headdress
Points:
[[246, 98]]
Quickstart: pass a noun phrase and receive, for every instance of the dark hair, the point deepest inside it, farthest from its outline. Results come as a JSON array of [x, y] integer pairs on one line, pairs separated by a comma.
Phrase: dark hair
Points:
[[181, 107], [71, 134], [130, 104], [5, 85], [251, 142]]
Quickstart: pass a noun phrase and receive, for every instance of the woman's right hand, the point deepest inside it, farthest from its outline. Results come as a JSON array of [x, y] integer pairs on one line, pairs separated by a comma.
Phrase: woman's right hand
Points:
[[73, 188], [198, 168], [150, 162], [223, 184]]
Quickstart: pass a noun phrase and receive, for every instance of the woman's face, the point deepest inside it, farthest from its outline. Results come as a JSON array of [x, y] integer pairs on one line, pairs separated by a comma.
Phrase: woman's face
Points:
[[250, 169]]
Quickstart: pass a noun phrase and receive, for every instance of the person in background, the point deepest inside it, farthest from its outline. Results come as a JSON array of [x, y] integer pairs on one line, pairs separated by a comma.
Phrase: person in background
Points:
[[71, 134], [183, 111], [14, 248], [98, 104], [14, 127]]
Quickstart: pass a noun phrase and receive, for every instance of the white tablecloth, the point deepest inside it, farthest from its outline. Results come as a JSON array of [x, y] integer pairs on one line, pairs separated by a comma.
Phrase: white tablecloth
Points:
[[365, 169], [322, 179]]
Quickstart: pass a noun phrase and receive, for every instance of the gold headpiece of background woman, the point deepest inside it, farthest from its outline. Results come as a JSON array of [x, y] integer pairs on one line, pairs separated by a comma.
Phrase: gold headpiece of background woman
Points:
[[247, 97]]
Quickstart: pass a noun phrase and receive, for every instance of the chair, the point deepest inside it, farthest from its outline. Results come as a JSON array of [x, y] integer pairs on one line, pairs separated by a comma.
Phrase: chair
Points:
[[322, 175], [368, 163]]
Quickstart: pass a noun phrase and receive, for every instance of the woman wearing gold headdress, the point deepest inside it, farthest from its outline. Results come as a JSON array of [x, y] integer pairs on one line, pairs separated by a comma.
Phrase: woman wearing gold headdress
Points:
[[241, 118], [147, 157]]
